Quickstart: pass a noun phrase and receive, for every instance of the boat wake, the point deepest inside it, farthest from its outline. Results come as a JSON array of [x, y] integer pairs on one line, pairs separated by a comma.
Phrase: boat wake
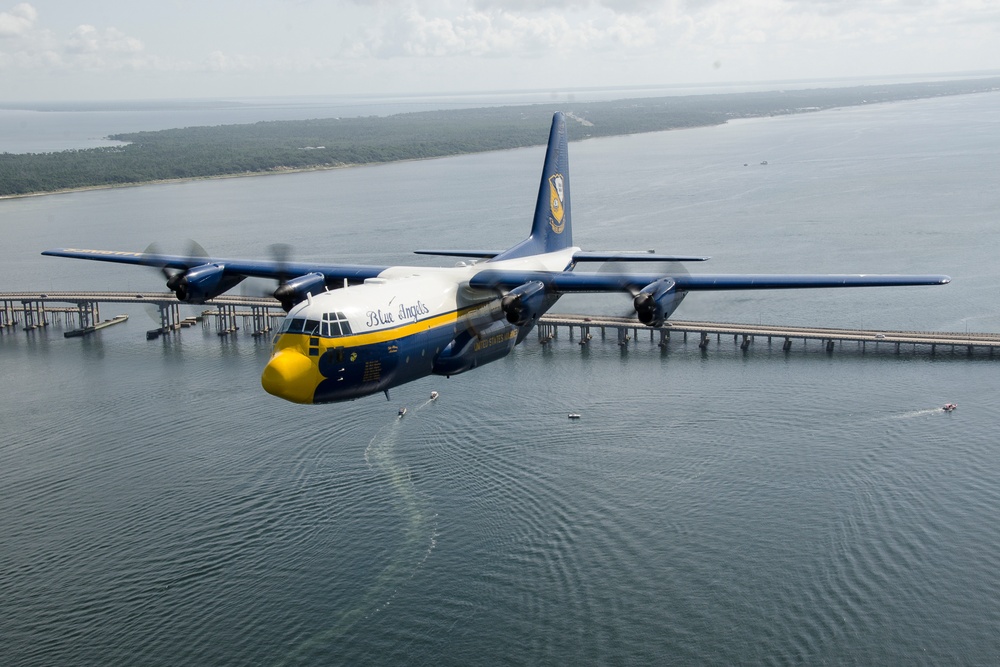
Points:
[[420, 533], [916, 413]]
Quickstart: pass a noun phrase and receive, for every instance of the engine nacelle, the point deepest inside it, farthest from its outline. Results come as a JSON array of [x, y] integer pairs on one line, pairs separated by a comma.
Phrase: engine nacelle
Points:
[[524, 304], [296, 289], [657, 301], [200, 283]]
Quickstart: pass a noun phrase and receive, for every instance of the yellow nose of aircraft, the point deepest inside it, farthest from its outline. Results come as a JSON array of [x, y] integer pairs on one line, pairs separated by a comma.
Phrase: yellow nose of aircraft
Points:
[[288, 376]]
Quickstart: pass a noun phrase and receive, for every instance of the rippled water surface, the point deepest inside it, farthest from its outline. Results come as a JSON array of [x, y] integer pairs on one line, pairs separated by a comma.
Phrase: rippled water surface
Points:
[[158, 508]]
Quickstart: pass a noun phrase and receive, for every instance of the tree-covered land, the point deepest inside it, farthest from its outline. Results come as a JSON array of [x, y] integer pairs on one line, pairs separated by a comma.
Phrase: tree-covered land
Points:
[[275, 146]]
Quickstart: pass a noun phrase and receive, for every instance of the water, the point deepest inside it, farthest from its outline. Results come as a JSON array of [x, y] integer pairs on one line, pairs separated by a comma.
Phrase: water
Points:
[[159, 508]]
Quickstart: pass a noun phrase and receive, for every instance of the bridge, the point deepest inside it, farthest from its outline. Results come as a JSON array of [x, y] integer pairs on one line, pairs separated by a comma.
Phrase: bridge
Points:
[[626, 329], [32, 309]]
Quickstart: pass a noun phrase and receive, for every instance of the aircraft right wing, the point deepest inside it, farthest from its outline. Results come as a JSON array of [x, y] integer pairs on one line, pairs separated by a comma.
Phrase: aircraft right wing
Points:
[[565, 282]]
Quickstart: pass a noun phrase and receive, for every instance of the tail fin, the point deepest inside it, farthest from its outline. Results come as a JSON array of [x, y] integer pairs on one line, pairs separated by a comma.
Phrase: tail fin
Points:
[[552, 227]]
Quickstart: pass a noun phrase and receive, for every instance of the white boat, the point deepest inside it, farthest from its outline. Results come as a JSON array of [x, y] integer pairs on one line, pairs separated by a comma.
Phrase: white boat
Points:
[[434, 395], [574, 415], [402, 411], [949, 407]]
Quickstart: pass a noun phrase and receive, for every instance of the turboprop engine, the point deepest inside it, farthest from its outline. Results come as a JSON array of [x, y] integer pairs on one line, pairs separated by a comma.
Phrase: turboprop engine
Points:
[[296, 289], [524, 303], [201, 283], [657, 301]]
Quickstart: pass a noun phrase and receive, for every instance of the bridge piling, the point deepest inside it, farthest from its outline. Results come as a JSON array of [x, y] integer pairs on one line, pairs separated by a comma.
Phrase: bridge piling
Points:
[[34, 315], [8, 314], [664, 338], [623, 337]]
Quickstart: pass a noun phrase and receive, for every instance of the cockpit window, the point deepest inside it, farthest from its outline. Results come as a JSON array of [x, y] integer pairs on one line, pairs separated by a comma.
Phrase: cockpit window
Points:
[[334, 325], [300, 325]]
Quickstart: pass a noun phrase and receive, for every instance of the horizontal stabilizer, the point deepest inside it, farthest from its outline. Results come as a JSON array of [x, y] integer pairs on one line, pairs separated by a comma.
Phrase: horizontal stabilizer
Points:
[[581, 256], [634, 256], [478, 254]]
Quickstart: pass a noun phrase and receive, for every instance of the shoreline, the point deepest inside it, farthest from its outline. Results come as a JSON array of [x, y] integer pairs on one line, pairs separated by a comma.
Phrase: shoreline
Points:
[[186, 179], [437, 134]]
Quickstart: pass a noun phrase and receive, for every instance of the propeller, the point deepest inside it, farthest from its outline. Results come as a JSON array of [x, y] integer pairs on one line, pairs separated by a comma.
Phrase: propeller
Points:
[[625, 267], [175, 276], [172, 276], [280, 253], [290, 286], [255, 287]]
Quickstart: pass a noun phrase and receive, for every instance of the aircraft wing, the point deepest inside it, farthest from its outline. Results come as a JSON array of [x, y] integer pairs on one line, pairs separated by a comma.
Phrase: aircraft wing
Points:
[[568, 282], [258, 268]]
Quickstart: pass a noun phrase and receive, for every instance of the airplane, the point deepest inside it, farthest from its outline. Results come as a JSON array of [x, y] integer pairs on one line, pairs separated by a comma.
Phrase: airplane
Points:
[[354, 330]]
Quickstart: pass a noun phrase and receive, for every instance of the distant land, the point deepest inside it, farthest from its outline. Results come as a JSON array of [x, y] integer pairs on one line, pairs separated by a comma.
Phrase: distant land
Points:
[[282, 146]]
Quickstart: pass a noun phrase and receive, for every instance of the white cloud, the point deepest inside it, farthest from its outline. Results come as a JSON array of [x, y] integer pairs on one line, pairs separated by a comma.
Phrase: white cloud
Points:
[[394, 45], [218, 61], [499, 28], [491, 32], [18, 20], [87, 39], [28, 47]]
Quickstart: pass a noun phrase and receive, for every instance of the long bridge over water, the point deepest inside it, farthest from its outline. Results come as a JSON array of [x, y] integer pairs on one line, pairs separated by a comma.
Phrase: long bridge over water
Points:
[[33, 309]]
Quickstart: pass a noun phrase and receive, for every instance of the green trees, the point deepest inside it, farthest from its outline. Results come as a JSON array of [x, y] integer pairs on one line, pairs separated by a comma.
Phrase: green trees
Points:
[[196, 152]]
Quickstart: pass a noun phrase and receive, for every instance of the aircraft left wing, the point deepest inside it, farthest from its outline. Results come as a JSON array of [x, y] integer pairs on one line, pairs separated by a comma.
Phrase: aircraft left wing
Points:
[[568, 282], [198, 279], [257, 268]]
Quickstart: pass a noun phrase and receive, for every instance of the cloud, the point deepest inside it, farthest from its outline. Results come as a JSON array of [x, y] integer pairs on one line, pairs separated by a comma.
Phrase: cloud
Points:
[[27, 47], [18, 20], [527, 28], [414, 31], [87, 39], [418, 44], [218, 61]]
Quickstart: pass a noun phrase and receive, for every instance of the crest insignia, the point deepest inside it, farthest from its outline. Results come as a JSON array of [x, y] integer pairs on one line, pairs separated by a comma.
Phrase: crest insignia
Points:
[[556, 198]]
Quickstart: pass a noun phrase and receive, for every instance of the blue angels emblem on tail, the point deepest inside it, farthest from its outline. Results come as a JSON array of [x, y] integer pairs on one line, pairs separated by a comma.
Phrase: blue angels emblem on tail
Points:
[[556, 206]]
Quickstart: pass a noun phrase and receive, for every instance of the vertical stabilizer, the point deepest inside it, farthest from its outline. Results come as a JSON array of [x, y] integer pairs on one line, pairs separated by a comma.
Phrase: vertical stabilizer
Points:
[[552, 227]]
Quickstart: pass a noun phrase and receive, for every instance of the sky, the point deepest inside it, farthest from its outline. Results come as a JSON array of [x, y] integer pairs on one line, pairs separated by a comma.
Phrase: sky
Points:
[[53, 50]]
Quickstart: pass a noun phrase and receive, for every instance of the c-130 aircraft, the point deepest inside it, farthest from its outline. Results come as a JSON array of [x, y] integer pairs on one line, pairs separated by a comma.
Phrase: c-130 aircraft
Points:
[[356, 330]]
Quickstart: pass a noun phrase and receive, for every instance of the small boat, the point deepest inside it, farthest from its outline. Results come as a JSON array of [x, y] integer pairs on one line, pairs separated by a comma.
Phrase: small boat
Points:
[[949, 407], [574, 415], [402, 411], [434, 395]]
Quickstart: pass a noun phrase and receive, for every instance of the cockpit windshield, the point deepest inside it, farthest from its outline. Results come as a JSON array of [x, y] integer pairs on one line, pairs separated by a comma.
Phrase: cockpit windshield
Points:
[[333, 325]]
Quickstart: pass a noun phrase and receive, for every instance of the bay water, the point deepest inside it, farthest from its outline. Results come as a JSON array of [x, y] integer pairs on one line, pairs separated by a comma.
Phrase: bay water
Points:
[[158, 508]]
